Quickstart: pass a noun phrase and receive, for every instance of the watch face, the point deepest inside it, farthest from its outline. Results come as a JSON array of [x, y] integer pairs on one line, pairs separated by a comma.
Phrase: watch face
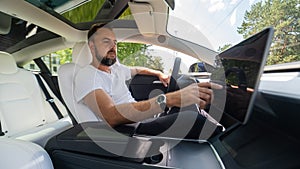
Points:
[[160, 98]]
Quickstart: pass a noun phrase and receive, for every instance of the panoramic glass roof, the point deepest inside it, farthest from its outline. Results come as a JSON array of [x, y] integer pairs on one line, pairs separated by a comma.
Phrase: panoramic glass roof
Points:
[[78, 11]]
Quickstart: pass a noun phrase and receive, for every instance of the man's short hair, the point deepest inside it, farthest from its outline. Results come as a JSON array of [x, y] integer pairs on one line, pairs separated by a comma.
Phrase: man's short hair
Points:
[[95, 27]]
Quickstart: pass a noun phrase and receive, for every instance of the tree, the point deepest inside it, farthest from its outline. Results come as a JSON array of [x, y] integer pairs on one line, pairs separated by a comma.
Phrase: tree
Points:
[[132, 54], [226, 46], [128, 49], [65, 56], [284, 17], [80, 14]]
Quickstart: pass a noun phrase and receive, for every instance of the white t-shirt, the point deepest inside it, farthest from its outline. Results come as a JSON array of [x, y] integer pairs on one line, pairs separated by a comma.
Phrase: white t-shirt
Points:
[[90, 78]]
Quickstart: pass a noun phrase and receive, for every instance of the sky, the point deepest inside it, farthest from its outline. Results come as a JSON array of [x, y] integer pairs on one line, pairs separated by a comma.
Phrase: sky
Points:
[[212, 23]]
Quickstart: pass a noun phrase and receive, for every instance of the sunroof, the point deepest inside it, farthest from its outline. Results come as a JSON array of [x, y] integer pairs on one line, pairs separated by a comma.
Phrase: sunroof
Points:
[[88, 11], [77, 11]]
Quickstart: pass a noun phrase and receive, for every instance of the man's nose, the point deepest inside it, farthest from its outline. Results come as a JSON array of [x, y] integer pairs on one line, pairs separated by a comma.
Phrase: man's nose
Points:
[[113, 44]]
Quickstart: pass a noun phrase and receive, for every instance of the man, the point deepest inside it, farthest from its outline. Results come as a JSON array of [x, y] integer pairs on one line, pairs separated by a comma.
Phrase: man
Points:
[[101, 86]]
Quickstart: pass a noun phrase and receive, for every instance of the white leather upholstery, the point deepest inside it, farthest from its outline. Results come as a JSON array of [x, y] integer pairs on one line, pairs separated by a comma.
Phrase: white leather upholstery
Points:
[[66, 74], [8, 65], [81, 54], [17, 154], [81, 57], [23, 107]]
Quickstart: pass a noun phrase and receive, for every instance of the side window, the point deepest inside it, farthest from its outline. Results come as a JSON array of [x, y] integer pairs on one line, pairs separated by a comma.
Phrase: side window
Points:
[[153, 57], [32, 67], [52, 60]]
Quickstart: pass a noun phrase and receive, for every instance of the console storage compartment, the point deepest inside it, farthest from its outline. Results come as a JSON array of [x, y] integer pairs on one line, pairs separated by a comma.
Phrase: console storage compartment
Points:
[[95, 145]]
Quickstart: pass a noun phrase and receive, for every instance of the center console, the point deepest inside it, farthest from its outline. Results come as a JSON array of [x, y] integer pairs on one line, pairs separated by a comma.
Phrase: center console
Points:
[[95, 145]]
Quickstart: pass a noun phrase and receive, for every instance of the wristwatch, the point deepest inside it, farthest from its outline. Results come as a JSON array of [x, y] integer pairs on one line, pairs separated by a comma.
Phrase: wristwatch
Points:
[[161, 100]]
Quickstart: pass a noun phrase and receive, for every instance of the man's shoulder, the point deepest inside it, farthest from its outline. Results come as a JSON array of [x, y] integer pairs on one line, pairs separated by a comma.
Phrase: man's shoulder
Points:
[[86, 72], [119, 65], [88, 69]]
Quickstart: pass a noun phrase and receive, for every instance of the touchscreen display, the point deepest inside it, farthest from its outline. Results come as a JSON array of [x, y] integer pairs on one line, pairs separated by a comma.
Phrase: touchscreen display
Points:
[[243, 65]]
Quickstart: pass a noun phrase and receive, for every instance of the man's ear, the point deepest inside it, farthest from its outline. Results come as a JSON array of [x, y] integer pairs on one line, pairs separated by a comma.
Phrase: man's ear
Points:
[[91, 44]]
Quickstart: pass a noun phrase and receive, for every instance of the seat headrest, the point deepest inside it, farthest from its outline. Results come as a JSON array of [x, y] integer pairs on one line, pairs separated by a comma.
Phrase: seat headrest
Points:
[[82, 55], [8, 64]]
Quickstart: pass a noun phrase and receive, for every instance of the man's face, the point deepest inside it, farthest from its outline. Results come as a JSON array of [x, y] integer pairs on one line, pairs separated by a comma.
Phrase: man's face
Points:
[[104, 44]]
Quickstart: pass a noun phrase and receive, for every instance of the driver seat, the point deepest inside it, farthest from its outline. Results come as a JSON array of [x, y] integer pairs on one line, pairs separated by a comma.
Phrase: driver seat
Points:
[[81, 57]]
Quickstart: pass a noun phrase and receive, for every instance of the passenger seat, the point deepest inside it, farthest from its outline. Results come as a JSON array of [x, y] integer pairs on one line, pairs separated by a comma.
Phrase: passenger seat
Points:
[[16, 154], [24, 112]]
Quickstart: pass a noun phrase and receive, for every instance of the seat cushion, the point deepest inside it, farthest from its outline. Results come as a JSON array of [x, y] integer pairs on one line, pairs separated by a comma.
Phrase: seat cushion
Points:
[[22, 154]]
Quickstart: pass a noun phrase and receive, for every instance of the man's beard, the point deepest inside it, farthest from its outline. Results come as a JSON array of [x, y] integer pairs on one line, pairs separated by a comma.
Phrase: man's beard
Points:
[[105, 60]]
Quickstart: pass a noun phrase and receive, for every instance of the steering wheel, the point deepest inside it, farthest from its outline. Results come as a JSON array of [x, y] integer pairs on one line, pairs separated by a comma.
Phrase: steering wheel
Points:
[[173, 86], [173, 82], [174, 76]]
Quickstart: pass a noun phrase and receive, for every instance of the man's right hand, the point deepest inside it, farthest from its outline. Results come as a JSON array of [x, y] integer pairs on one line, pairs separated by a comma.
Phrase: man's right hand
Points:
[[200, 94]]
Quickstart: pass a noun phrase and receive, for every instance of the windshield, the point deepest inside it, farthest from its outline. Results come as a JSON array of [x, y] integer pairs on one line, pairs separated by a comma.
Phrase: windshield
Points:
[[216, 19], [220, 24]]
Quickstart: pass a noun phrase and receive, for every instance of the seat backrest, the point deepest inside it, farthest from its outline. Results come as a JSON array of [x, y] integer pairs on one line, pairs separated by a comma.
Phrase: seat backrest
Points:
[[81, 57], [66, 74], [81, 54], [23, 106], [22, 154]]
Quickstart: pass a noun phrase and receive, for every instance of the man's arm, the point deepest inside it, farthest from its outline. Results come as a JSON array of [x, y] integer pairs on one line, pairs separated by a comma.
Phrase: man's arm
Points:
[[146, 71], [101, 103]]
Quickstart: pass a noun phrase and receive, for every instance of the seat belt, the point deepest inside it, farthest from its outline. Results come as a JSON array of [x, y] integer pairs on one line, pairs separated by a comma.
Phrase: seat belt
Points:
[[49, 99], [45, 73]]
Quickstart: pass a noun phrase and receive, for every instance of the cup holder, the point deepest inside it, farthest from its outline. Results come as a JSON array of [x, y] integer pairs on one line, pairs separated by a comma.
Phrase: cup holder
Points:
[[154, 159]]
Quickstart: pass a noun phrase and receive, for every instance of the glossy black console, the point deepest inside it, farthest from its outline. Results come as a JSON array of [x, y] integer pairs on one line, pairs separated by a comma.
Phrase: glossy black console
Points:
[[95, 145]]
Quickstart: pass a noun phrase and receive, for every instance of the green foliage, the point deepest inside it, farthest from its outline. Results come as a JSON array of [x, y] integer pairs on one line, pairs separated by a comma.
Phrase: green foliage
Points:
[[84, 13], [134, 54], [153, 62], [284, 17], [65, 56], [126, 14], [223, 48], [128, 49]]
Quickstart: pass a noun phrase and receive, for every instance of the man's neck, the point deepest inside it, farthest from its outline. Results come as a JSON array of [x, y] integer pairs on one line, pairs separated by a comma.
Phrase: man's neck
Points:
[[100, 66], [104, 68]]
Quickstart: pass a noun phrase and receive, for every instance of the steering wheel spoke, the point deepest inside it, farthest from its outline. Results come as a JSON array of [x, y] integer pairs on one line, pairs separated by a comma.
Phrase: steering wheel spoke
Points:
[[174, 76]]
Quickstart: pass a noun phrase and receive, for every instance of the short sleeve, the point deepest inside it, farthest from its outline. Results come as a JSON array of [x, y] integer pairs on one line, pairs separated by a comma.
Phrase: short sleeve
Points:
[[86, 81]]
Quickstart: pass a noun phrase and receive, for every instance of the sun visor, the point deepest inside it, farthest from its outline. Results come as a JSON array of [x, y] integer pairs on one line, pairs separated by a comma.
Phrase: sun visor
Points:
[[5, 23], [143, 16]]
